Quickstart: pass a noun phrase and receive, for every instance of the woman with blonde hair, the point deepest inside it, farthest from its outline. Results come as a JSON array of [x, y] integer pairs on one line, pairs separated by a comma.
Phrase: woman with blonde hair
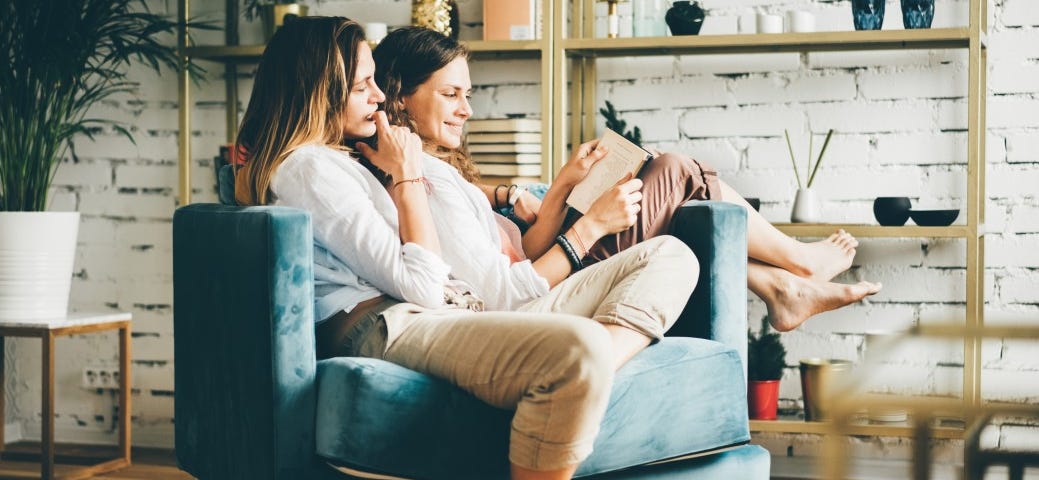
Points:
[[425, 76], [382, 288]]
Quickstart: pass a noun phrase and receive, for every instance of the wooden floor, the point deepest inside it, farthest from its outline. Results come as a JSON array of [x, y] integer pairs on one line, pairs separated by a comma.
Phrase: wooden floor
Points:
[[19, 462]]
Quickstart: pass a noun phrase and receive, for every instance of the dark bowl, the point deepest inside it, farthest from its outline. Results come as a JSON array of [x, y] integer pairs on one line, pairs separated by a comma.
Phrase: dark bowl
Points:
[[934, 218], [754, 202], [892, 211]]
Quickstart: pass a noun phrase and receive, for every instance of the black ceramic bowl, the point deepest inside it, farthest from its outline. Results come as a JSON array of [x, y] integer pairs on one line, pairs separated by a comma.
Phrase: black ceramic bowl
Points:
[[754, 202], [934, 218], [892, 211]]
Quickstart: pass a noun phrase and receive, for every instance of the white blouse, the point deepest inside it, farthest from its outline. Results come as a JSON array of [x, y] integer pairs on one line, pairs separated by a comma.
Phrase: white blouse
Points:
[[470, 242], [357, 250]]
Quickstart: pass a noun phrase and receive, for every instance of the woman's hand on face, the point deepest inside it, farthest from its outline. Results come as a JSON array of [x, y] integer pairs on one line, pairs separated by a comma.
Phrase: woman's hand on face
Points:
[[581, 163], [617, 209], [527, 207], [399, 151]]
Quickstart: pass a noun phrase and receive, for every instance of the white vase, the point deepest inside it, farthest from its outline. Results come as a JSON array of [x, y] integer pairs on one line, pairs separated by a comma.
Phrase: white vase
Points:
[[806, 207], [37, 253]]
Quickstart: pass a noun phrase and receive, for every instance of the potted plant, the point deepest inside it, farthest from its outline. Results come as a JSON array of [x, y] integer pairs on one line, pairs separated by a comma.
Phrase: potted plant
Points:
[[766, 359], [273, 13], [63, 58]]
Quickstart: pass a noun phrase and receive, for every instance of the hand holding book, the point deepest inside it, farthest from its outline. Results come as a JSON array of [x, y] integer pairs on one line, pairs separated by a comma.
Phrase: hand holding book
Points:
[[620, 157]]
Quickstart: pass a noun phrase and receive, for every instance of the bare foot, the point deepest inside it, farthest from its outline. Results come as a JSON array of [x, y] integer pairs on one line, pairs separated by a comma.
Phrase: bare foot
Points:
[[793, 299], [826, 259]]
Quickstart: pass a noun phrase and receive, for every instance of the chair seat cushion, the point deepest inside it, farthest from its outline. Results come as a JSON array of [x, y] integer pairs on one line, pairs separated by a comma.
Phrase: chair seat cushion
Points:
[[679, 396]]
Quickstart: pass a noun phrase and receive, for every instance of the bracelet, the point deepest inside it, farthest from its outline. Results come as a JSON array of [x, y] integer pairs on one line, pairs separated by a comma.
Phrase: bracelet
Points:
[[580, 242], [423, 180], [497, 204], [571, 255], [514, 196]]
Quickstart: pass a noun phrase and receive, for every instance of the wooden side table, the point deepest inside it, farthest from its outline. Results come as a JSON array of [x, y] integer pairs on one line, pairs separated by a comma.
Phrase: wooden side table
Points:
[[74, 324]]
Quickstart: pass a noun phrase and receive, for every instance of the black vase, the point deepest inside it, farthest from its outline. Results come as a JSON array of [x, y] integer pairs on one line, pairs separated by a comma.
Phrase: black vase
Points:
[[892, 211], [917, 13], [685, 18]]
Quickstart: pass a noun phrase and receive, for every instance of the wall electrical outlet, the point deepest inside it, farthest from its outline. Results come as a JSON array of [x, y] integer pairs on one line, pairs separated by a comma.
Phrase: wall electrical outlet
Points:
[[100, 377]]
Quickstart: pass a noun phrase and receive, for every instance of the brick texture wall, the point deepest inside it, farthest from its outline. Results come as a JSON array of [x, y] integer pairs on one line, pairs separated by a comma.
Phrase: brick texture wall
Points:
[[901, 122]]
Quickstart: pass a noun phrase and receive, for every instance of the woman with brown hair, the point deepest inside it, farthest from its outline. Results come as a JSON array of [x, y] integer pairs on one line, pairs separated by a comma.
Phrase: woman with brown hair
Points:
[[382, 288], [426, 79]]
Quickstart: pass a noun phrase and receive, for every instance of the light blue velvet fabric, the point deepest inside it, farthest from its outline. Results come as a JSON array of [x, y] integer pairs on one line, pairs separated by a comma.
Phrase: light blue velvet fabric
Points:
[[371, 411], [246, 377], [243, 293], [717, 233]]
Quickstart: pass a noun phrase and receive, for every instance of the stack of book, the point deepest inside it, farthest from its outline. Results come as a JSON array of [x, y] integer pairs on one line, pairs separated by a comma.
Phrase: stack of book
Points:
[[506, 150]]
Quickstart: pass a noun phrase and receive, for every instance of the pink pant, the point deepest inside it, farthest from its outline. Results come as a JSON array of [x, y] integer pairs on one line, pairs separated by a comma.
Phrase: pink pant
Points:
[[669, 181]]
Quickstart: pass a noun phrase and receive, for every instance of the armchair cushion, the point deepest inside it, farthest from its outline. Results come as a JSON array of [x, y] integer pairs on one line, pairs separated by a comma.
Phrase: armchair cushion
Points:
[[370, 412]]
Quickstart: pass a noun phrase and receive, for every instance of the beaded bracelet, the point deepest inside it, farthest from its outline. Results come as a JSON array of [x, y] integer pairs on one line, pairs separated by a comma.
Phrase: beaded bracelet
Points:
[[571, 255]]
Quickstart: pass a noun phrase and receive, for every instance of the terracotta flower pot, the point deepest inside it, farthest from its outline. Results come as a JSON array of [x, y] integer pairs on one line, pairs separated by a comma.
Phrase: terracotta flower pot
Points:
[[762, 399]]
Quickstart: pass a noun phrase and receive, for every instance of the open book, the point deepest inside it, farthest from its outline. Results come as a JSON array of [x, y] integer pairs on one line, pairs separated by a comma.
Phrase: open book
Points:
[[622, 157]]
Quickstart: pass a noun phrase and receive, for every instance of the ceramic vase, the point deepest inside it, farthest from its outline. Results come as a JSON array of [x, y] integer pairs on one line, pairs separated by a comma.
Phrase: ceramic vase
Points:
[[917, 13], [37, 253], [685, 18], [868, 14], [806, 207]]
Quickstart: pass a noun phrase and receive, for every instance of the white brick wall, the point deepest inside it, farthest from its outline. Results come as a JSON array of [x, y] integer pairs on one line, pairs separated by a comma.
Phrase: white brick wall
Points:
[[900, 118]]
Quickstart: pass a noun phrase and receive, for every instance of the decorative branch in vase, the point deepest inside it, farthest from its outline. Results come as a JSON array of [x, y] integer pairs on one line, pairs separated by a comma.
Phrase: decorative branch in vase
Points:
[[806, 203]]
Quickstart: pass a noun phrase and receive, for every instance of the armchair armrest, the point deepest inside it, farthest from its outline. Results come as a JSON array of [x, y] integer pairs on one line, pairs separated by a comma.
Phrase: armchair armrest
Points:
[[244, 327], [717, 310]]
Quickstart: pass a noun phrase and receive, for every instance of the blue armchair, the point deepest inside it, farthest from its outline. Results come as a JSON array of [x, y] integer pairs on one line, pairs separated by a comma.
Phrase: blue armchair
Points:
[[252, 401]]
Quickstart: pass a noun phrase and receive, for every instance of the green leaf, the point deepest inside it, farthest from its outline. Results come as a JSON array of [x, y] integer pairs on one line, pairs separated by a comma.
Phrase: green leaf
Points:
[[63, 57]]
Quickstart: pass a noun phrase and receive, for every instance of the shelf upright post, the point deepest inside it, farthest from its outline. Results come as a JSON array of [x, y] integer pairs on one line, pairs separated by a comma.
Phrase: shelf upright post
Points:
[[548, 114], [184, 107], [976, 92], [589, 79], [231, 70], [559, 85]]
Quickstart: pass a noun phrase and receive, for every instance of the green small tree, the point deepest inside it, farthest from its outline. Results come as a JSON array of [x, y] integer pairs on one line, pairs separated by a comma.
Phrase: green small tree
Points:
[[766, 356], [63, 57], [613, 122]]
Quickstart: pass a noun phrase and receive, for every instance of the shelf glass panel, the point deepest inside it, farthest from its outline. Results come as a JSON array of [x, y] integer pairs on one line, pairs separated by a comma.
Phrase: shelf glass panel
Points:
[[875, 231], [926, 39]]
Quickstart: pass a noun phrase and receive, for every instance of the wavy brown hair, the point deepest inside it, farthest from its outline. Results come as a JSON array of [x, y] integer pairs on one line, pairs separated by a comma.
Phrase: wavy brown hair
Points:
[[404, 60], [299, 97]]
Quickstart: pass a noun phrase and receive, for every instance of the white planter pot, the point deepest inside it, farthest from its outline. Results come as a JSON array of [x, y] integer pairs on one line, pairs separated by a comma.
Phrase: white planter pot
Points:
[[37, 253]]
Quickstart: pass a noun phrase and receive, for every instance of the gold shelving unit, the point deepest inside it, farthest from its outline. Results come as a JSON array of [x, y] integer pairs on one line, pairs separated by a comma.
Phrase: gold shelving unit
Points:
[[575, 89], [568, 104]]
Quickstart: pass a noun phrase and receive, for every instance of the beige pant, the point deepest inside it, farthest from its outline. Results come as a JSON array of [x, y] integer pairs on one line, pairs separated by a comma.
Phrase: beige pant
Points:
[[549, 362]]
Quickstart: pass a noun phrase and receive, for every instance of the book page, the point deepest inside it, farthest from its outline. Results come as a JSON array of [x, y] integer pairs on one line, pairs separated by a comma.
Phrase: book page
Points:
[[622, 157]]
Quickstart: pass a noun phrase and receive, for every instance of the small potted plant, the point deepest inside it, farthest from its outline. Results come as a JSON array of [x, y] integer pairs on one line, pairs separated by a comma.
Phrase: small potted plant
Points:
[[273, 13], [766, 359]]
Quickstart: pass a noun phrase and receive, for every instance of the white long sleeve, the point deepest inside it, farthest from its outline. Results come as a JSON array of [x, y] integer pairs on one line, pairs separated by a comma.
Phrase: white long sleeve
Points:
[[357, 248], [471, 245]]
